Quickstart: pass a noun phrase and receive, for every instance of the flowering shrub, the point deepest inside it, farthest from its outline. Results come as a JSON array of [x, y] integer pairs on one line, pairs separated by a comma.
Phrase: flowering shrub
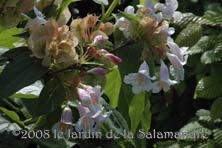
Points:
[[63, 74]]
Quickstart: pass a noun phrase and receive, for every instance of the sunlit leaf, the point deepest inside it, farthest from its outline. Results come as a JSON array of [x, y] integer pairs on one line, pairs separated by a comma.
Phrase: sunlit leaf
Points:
[[22, 71], [208, 87], [112, 88], [12, 115], [29, 92], [7, 37], [102, 2], [136, 108]]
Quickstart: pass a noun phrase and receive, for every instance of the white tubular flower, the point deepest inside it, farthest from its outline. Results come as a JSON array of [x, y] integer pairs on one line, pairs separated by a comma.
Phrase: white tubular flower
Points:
[[122, 23], [85, 123], [178, 70], [84, 97], [148, 4], [181, 53], [168, 9], [165, 82], [140, 81], [91, 112]]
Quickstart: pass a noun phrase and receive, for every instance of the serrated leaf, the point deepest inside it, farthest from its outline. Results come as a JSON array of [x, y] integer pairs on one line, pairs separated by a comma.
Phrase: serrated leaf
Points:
[[22, 71], [201, 45], [197, 128], [112, 87], [216, 109], [208, 144], [51, 97], [7, 37], [204, 115], [207, 87], [212, 56], [190, 18], [136, 108], [188, 37], [217, 133]]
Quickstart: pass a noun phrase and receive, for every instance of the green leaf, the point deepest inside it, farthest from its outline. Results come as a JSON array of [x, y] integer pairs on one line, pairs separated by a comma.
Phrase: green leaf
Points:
[[112, 87], [29, 92], [204, 115], [212, 56], [7, 37], [64, 4], [216, 109], [146, 117], [218, 136], [22, 71], [51, 97], [136, 108], [117, 123], [190, 18], [188, 37], [196, 127], [52, 143], [102, 2], [142, 2], [12, 115], [207, 87], [201, 45]]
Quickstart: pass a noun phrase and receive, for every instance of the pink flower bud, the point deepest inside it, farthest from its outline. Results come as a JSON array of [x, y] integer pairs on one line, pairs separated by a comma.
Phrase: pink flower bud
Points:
[[98, 71], [116, 60], [66, 117], [99, 39]]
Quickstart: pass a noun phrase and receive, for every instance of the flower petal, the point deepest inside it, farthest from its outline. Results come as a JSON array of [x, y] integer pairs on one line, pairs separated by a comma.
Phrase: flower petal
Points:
[[156, 87], [177, 66], [144, 69]]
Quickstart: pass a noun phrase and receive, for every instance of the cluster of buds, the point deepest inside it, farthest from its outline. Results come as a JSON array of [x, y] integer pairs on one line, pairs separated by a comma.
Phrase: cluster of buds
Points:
[[87, 29], [150, 26], [91, 112], [63, 46]]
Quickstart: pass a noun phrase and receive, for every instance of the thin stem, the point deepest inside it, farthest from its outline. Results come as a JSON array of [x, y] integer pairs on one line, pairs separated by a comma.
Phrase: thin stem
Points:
[[122, 46], [110, 10], [103, 9]]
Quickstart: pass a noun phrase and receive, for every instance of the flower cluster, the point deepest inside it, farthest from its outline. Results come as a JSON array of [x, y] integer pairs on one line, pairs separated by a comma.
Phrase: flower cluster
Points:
[[90, 110], [10, 12], [62, 46], [153, 30]]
